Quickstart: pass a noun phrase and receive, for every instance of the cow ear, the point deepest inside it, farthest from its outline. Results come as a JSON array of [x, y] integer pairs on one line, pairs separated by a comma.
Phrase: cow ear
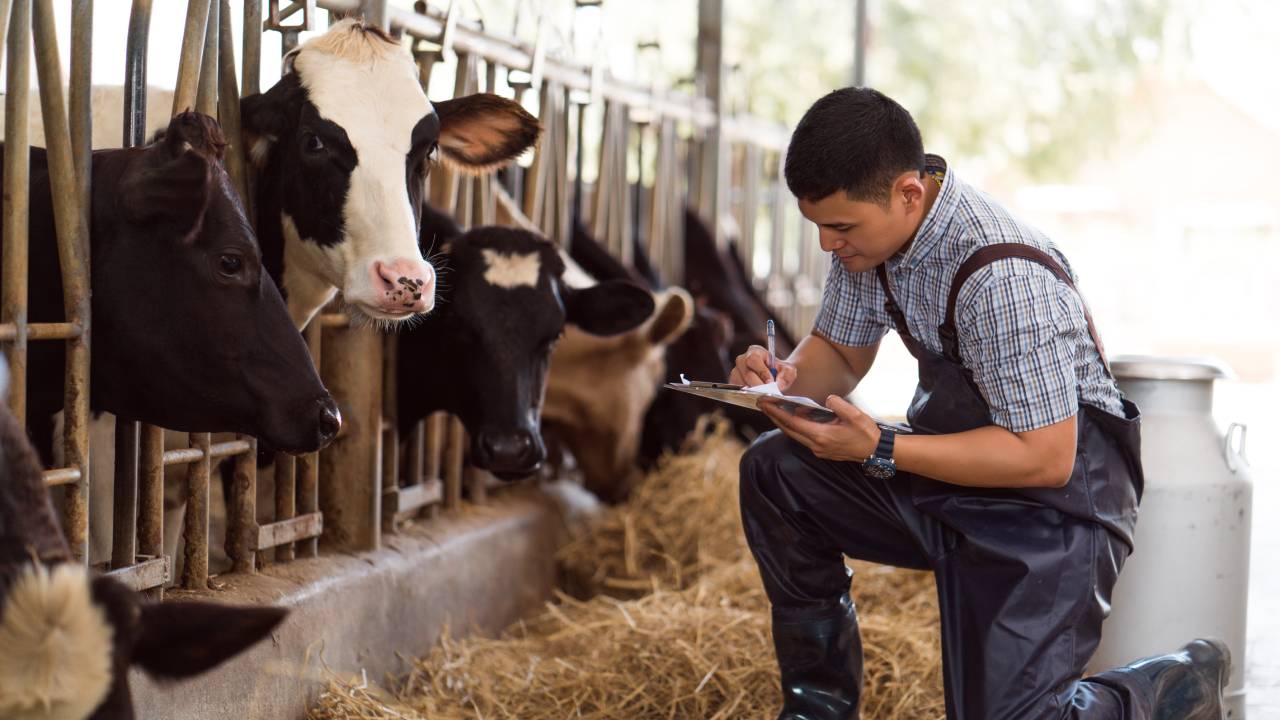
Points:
[[675, 312], [162, 188], [608, 308], [182, 639], [482, 131], [263, 119]]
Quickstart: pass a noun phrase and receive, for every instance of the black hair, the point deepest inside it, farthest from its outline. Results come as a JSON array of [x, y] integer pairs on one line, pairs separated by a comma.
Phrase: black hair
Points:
[[854, 139]]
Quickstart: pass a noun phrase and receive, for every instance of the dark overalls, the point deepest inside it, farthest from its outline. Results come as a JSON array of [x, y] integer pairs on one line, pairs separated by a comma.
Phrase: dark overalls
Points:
[[1024, 576]]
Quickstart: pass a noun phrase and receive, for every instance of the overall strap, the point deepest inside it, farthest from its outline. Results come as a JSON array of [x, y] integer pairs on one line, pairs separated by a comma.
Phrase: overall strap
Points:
[[895, 312], [985, 256]]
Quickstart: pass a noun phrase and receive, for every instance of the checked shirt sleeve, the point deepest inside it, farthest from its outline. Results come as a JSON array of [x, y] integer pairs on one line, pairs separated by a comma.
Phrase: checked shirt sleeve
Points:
[[1017, 335], [847, 316]]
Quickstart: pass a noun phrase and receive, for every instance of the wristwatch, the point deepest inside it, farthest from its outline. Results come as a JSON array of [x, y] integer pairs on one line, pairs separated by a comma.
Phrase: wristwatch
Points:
[[880, 465]]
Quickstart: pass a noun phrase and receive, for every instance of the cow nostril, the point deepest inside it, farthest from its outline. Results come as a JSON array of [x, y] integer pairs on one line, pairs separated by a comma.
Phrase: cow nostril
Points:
[[330, 421]]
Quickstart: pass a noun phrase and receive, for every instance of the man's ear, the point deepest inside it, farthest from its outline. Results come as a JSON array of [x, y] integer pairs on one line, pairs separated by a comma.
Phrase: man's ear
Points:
[[608, 308], [181, 639]]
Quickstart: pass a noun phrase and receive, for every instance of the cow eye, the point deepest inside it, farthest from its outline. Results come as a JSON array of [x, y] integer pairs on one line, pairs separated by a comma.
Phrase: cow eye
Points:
[[230, 265], [313, 143]]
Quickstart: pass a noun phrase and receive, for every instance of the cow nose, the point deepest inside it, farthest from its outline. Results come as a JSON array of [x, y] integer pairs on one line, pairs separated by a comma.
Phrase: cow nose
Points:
[[404, 285], [508, 454], [329, 421]]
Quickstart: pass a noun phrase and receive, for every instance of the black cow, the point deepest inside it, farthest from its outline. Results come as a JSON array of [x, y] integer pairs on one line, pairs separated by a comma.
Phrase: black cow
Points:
[[188, 332], [68, 639], [343, 143], [483, 354]]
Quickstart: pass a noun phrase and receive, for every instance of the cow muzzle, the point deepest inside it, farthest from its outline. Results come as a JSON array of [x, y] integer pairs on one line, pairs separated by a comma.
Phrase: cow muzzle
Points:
[[399, 288], [510, 455]]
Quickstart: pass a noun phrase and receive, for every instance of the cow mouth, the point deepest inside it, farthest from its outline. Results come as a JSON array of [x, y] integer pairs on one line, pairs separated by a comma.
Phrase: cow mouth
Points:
[[362, 314]]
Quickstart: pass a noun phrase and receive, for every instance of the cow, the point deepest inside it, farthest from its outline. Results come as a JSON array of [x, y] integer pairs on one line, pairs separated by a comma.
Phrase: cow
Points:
[[342, 145], [68, 638], [188, 332], [483, 354]]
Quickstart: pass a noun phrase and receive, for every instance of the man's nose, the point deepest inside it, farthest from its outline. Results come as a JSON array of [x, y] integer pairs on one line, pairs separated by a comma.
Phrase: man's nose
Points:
[[830, 241]]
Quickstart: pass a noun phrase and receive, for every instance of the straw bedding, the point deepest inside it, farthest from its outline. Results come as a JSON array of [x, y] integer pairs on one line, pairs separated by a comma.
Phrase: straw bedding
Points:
[[676, 625]]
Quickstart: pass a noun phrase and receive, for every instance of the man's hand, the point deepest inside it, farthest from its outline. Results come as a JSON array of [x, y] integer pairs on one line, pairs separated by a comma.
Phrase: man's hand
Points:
[[853, 436], [752, 368]]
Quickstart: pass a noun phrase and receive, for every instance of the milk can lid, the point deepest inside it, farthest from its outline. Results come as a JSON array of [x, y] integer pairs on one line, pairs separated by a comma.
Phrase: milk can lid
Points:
[[1155, 367]]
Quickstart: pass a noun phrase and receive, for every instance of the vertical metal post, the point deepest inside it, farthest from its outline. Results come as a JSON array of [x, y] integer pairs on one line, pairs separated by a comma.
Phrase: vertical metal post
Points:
[[207, 87], [242, 510], [151, 497], [184, 94], [229, 105], [124, 548], [286, 499], [455, 450], [307, 469], [195, 571], [251, 55], [135, 74], [17, 158], [860, 43], [710, 74], [350, 493], [374, 12]]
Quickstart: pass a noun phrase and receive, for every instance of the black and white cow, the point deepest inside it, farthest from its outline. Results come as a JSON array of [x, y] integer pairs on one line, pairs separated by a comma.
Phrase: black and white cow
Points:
[[188, 332], [483, 354], [343, 143], [67, 638]]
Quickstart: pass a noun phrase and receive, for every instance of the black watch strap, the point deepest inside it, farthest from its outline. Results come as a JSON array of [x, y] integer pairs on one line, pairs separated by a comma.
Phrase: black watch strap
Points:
[[884, 449]]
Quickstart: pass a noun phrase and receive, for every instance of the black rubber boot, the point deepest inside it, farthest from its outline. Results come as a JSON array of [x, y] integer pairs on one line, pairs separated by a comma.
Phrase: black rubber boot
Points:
[[1188, 684], [820, 656]]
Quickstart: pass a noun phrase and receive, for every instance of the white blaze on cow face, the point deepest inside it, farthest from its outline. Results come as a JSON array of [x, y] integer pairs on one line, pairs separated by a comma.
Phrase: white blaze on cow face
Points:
[[370, 89], [507, 270], [55, 646]]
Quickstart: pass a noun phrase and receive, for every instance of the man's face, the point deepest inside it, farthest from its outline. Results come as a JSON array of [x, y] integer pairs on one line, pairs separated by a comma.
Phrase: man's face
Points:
[[865, 234]]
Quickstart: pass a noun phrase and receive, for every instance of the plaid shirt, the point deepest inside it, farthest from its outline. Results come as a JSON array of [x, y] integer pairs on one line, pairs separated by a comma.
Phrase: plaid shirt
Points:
[[1022, 333]]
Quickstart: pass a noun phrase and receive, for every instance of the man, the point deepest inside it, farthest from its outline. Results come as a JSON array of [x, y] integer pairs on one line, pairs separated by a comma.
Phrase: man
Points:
[[1019, 483]]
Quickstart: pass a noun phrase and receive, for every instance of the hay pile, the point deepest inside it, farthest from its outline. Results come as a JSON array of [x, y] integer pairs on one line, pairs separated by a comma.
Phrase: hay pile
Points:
[[681, 630]]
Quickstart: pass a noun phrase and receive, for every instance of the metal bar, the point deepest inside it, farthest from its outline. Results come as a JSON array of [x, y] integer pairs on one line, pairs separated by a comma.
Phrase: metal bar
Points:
[[399, 504], [286, 499], [308, 466], [184, 94], [433, 448], [69, 190], [242, 513], [283, 533], [61, 476], [455, 450], [135, 74], [42, 331], [207, 86], [477, 485], [229, 105], [124, 547], [151, 496], [195, 571], [350, 493], [17, 157], [374, 12], [152, 573], [860, 43], [251, 54]]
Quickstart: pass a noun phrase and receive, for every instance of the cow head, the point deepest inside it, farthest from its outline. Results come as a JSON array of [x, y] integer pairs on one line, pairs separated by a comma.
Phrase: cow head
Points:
[[343, 143], [189, 332], [599, 389], [483, 355], [67, 640]]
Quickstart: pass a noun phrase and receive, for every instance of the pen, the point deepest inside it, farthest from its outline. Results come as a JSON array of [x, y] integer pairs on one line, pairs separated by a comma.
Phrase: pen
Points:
[[773, 363]]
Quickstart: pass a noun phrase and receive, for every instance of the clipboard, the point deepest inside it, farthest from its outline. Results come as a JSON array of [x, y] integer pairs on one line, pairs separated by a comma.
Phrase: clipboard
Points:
[[742, 396]]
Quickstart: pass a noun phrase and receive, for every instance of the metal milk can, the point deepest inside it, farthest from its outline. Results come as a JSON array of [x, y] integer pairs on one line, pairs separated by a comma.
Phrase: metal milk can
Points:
[[1188, 576]]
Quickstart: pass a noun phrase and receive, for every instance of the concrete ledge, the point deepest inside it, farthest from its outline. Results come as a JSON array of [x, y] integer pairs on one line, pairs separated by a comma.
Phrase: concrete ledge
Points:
[[480, 568]]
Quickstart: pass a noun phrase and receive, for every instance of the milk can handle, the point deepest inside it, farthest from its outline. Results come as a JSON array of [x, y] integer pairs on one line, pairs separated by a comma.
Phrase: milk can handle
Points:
[[1232, 454]]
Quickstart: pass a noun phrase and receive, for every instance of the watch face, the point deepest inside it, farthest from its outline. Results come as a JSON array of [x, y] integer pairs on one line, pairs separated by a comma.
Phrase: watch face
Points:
[[879, 468]]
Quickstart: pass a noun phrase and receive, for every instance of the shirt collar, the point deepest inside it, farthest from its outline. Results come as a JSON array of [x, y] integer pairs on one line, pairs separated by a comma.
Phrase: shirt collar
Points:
[[933, 229]]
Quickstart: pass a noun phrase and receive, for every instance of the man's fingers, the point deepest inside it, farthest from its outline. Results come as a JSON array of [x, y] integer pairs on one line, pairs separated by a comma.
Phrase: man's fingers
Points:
[[786, 376], [843, 409], [795, 426]]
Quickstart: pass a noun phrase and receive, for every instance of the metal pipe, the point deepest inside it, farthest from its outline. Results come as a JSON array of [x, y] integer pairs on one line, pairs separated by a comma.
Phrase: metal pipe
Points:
[[150, 537], [207, 86], [195, 571], [124, 548], [242, 509], [135, 74], [17, 173], [308, 466], [184, 94], [251, 54], [286, 499], [455, 450], [229, 106], [61, 476], [860, 43]]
